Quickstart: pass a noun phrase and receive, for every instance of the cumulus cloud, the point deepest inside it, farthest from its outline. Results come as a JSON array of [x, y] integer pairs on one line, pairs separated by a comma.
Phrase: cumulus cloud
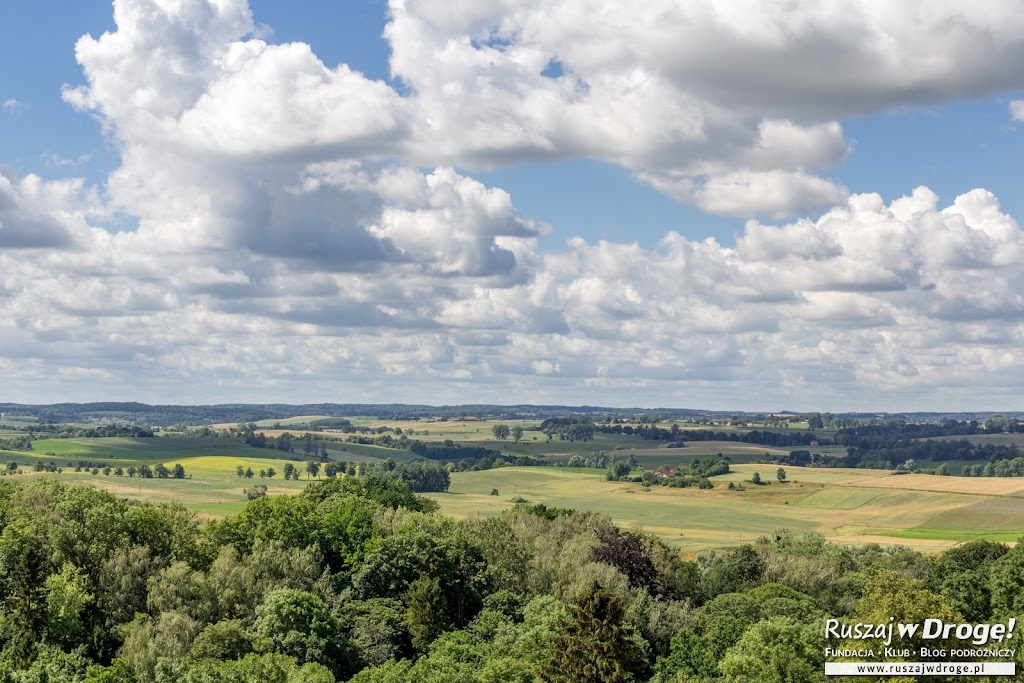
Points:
[[689, 96], [12, 105], [731, 107], [907, 297], [35, 213], [230, 143]]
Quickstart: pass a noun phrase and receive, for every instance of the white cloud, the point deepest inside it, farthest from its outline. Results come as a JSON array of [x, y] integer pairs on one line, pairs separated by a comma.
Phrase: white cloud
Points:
[[689, 95], [1017, 110], [744, 193], [12, 105], [57, 161], [692, 99], [35, 213], [871, 297]]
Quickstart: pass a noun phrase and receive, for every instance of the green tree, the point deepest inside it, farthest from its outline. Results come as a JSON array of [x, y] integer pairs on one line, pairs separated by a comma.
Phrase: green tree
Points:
[[299, 624], [427, 613], [147, 639], [756, 478], [53, 665], [780, 474], [271, 472], [23, 564], [888, 595], [312, 468], [778, 650], [618, 470], [597, 645], [252, 668], [517, 433], [67, 597], [226, 639], [1006, 581], [178, 472], [240, 471], [377, 630], [123, 580], [500, 431]]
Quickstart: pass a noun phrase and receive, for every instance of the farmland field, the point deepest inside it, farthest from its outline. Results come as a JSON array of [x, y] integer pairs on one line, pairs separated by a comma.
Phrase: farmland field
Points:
[[851, 506], [130, 449], [211, 485], [846, 505]]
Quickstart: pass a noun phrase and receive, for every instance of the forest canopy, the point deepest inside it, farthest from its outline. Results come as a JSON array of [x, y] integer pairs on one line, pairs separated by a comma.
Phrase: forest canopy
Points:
[[361, 579]]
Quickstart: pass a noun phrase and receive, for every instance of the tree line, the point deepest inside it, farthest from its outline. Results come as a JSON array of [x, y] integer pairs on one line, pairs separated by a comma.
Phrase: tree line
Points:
[[891, 453]]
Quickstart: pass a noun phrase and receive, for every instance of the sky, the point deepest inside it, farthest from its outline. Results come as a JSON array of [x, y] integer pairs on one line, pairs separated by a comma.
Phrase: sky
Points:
[[749, 205]]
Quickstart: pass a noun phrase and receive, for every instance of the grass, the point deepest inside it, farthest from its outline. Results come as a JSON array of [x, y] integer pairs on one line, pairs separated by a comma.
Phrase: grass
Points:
[[219, 509]]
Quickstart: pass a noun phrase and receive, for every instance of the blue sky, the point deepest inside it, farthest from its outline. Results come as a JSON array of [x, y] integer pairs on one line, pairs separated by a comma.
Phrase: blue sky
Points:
[[475, 226]]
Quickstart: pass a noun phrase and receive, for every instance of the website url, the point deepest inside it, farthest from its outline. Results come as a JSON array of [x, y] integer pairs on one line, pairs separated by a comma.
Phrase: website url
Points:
[[920, 668]]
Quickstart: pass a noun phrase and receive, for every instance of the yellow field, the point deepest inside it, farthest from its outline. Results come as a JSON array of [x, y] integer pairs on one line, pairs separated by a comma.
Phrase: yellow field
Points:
[[709, 448], [297, 419], [210, 482], [987, 486]]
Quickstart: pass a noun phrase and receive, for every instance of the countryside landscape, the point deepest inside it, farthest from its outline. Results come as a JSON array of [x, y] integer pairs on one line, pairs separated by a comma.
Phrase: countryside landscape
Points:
[[845, 504], [511, 341], [493, 543]]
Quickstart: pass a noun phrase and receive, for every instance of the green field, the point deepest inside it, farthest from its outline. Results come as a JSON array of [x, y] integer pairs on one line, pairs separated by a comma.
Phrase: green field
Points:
[[211, 485], [128, 449]]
